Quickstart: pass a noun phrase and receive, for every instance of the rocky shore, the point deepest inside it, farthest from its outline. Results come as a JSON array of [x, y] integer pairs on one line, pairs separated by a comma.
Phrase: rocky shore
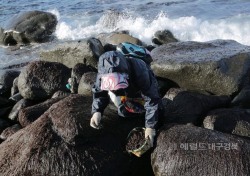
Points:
[[44, 127]]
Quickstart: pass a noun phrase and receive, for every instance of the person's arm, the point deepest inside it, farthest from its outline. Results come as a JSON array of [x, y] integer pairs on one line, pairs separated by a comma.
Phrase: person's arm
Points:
[[149, 90], [100, 102], [100, 97], [152, 100], [145, 80]]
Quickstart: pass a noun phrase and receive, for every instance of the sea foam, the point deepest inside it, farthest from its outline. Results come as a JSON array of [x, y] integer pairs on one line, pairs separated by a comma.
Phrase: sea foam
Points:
[[188, 28]]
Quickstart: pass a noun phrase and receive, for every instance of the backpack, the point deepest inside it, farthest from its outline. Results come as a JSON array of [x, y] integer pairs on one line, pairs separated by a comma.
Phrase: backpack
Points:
[[134, 51]]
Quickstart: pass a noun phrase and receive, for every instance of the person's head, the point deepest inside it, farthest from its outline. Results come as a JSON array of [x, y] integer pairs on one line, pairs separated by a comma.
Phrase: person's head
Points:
[[113, 70], [112, 61]]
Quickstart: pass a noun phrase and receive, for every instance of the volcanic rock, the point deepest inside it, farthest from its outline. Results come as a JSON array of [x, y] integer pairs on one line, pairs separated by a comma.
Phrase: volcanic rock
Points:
[[220, 67]]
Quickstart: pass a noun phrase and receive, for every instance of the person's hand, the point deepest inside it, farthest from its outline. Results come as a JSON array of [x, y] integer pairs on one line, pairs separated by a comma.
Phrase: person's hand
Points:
[[95, 120], [150, 134]]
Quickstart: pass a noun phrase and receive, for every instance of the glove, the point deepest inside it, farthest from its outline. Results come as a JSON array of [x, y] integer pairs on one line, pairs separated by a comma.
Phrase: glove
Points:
[[150, 134], [115, 99], [95, 120]]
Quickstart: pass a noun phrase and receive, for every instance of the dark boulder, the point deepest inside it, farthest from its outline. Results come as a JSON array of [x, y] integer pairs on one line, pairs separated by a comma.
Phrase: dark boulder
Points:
[[86, 83], [181, 106], [6, 81], [77, 73], [61, 142], [10, 131], [188, 150], [163, 37], [208, 66], [6, 38], [32, 26], [29, 114], [40, 79], [232, 121], [73, 52]]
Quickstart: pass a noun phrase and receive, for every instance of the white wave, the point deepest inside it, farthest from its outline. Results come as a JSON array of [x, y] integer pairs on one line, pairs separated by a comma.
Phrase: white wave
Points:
[[187, 28], [55, 12]]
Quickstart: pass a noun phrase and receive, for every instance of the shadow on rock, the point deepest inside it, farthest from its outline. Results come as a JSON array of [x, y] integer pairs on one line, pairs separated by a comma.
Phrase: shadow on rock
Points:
[[232, 121], [183, 106]]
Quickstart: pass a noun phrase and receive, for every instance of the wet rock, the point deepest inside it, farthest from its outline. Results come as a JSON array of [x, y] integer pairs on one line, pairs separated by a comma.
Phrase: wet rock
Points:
[[208, 66], [6, 38], [115, 38], [181, 106], [77, 73], [73, 52], [10, 131], [188, 150], [62, 138], [40, 79], [13, 115], [6, 81], [163, 37], [32, 26], [86, 83], [232, 121], [29, 114]]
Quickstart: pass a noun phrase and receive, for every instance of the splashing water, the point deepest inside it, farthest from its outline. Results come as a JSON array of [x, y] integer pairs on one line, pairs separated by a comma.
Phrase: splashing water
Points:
[[187, 28]]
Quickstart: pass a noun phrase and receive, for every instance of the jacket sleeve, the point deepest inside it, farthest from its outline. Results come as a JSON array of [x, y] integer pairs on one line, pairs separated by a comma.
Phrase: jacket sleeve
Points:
[[152, 100], [100, 97], [148, 85]]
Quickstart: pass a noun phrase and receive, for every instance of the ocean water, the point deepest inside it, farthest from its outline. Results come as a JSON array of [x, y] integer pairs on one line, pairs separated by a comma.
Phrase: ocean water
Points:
[[188, 20]]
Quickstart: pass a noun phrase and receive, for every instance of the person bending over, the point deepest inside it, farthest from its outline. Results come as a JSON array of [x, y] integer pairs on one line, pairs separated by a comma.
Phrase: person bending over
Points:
[[131, 85]]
